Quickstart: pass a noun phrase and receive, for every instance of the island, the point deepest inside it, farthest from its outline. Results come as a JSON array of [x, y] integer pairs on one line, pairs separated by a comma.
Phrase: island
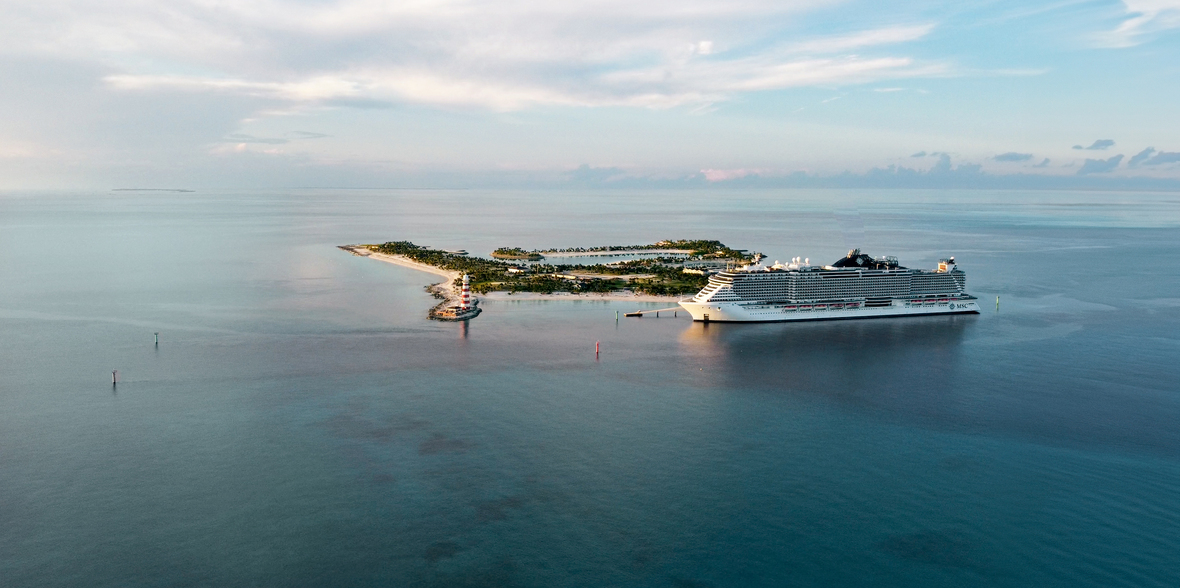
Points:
[[517, 253], [667, 270]]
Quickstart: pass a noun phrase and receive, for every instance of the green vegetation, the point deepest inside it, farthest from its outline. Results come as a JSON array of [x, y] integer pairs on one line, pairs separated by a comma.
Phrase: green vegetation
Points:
[[695, 248], [659, 275], [481, 270], [517, 253]]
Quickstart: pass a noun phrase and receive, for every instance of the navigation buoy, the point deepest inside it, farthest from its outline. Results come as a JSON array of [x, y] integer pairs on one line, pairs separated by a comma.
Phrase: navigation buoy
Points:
[[114, 377], [157, 338], [997, 303], [596, 348], [616, 316]]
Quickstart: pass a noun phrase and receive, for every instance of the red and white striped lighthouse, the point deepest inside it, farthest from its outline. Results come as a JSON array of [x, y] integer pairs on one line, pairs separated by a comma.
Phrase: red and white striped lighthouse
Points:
[[465, 298]]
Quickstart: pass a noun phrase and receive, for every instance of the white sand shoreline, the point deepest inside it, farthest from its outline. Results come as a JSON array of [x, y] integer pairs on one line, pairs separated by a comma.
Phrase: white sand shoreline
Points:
[[445, 288]]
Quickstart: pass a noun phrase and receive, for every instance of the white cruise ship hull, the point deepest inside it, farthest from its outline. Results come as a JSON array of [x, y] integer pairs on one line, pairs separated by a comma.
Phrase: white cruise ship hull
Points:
[[748, 312]]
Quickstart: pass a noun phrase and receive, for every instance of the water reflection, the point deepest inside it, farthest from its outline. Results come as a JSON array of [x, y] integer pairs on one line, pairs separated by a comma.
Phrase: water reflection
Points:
[[908, 364]]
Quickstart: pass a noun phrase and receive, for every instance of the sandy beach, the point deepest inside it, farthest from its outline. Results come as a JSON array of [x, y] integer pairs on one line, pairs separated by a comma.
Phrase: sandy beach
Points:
[[446, 287]]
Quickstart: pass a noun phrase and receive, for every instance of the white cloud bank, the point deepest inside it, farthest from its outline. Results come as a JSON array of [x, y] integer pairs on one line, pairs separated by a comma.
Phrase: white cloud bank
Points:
[[1143, 18], [504, 55]]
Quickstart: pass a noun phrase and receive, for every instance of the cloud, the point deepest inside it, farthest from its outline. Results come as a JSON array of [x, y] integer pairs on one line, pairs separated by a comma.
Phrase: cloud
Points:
[[858, 40], [1013, 156], [945, 174], [944, 167], [658, 86], [1150, 156], [587, 175], [1163, 157], [502, 56], [1143, 19], [1097, 145], [919, 154], [1140, 157], [240, 138], [1043, 163], [722, 175], [1100, 166]]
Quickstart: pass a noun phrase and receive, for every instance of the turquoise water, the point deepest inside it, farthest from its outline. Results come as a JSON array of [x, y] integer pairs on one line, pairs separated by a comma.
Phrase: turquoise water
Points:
[[302, 424]]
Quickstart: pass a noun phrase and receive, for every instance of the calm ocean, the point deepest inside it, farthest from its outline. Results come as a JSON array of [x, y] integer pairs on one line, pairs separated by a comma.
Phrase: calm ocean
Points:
[[301, 422]]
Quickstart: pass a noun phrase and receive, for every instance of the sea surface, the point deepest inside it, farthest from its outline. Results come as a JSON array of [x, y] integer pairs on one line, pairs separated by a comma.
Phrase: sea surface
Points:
[[301, 422]]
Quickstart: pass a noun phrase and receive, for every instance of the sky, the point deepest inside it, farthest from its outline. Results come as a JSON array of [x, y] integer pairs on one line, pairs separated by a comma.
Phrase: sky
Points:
[[204, 94]]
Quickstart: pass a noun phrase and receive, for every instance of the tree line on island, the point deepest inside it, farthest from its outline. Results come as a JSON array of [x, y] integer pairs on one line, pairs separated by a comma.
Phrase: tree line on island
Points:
[[659, 276], [517, 253], [693, 247]]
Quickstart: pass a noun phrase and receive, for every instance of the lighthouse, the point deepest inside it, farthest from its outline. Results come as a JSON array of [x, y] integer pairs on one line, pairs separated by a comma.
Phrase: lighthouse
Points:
[[464, 310]]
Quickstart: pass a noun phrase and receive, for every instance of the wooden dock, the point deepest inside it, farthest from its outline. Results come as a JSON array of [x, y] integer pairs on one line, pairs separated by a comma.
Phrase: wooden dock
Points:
[[640, 313]]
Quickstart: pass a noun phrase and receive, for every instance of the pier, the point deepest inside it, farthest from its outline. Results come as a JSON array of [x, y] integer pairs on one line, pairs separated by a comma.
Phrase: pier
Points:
[[640, 313]]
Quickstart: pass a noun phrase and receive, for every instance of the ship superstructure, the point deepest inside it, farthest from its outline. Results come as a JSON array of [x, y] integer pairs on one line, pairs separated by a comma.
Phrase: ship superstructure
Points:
[[857, 286]]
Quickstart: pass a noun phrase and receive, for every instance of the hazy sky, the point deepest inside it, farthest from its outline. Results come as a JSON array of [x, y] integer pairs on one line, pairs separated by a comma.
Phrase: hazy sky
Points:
[[207, 93]]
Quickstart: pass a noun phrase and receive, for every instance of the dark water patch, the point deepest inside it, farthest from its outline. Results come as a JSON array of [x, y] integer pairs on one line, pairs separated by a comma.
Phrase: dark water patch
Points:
[[642, 557], [942, 548], [407, 422], [960, 463], [681, 582], [500, 574], [439, 443], [441, 550], [497, 510], [350, 426], [354, 424]]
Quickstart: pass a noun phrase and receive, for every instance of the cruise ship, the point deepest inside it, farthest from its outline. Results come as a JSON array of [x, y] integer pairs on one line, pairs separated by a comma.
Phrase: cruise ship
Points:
[[857, 286]]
